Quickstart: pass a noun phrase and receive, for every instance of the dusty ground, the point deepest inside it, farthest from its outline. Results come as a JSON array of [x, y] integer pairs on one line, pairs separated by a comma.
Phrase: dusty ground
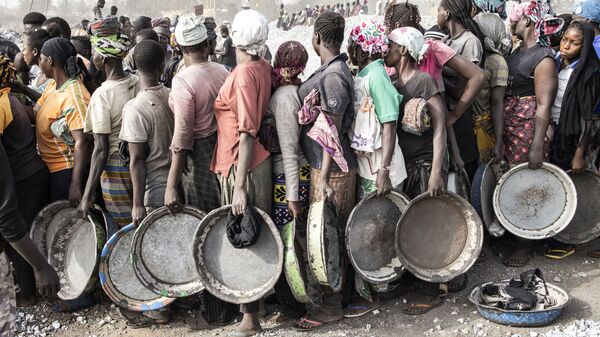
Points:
[[578, 274]]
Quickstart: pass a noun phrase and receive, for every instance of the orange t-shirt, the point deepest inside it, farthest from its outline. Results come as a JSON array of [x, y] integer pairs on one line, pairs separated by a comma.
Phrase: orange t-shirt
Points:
[[240, 107], [71, 100]]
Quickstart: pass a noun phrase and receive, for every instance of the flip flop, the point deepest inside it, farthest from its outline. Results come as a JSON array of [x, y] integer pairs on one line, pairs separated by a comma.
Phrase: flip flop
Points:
[[595, 254], [353, 311], [423, 308], [314, 324], [243, 333], [558, 254]]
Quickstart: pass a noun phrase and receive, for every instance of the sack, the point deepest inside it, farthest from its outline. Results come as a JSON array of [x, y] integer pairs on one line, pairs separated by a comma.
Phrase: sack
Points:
[[268, 134], [60, 130], [124, 153], [416, 118], [243, 231]]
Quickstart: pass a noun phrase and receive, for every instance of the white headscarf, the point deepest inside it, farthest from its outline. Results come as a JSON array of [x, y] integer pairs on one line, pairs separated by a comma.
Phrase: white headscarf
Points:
[[412, 39], [249, 31], [190, 30], [497, 39]]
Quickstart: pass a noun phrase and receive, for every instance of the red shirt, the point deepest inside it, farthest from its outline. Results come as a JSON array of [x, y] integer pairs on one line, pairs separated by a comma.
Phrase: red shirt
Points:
[[240, 107]]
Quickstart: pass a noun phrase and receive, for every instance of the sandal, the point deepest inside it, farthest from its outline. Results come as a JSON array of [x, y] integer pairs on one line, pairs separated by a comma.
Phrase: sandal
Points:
[[558, 254], [595, 254], [137, 320], [416, 309], [457, 284], [305, 324], [82, 302], [444, 290], [353, 311]]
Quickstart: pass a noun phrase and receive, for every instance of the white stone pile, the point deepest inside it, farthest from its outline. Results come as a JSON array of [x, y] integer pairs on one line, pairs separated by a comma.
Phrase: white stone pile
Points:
[[581, 328]]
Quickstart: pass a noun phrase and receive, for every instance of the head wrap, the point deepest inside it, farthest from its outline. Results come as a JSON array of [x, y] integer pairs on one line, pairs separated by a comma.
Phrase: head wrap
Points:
[[412, 39], [497, 40], [190, 30], [290, 62], [370, 37], [589, 9], [516, 11], [545, 23], [116, 45], [249, 31], [106, 27], [434, 33], [7, 71], [492, 6], [162, 26], [62, 52]]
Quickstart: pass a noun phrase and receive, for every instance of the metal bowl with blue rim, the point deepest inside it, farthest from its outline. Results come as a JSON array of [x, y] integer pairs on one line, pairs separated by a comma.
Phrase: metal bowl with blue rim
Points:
[[118, 278], [522, 318]]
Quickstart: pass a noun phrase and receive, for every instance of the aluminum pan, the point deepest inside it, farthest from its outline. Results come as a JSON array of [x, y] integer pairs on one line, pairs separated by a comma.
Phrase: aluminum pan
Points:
[[324, 244], [293, 267], [439, 238], [585, 225], [535, 204], [48, 221], [75, 255], [370, 234], [118, 278], [161, 252], [237, 275]]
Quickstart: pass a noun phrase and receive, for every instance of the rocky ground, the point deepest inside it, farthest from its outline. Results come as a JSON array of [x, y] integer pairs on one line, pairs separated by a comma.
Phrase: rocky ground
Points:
[[577, 274]]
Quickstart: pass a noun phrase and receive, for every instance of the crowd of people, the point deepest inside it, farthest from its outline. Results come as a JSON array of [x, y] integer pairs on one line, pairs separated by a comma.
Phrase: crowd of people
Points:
[[157, 113], [309, 14]]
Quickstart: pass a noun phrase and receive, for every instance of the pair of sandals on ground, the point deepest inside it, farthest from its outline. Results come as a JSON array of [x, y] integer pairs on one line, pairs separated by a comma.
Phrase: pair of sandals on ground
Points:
[[521, 256]]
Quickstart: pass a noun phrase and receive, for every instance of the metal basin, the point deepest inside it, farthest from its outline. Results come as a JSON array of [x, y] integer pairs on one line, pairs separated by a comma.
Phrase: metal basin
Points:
[[522, 318], [75, 254], [325, 244], [237, 275], [535, 204], [370, 234], [161, 252], [585, 225], [294, 264], [439, 238], [118, 278]]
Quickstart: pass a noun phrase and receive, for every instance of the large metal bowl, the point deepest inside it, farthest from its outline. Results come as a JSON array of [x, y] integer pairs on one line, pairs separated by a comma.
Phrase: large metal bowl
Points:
[[75, 254], [522, 318], [585, 225], [294, 264], [161, 252], [237, 275], [482, 198], [48, 221], [535, 204], [439, 238], [370, 234], [118, 278], [325, 244]]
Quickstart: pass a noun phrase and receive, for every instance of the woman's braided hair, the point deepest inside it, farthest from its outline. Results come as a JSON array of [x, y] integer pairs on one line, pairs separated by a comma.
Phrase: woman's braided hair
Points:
[[330, 26], [461, 10], [405, 14]]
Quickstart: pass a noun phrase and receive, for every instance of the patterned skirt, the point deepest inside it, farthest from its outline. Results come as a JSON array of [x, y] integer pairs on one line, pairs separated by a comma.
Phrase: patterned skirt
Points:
[[117, 190], [519, 129], [484, 135], [201, 187], [281, 214]]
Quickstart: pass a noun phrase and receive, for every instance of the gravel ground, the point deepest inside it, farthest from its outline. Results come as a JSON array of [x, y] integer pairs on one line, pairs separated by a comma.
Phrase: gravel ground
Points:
[[457, 317]]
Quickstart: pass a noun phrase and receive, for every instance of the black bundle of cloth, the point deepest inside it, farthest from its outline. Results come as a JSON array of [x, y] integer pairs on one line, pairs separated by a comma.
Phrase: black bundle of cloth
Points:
[[580, 98], [527, 293], [243, 231]]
